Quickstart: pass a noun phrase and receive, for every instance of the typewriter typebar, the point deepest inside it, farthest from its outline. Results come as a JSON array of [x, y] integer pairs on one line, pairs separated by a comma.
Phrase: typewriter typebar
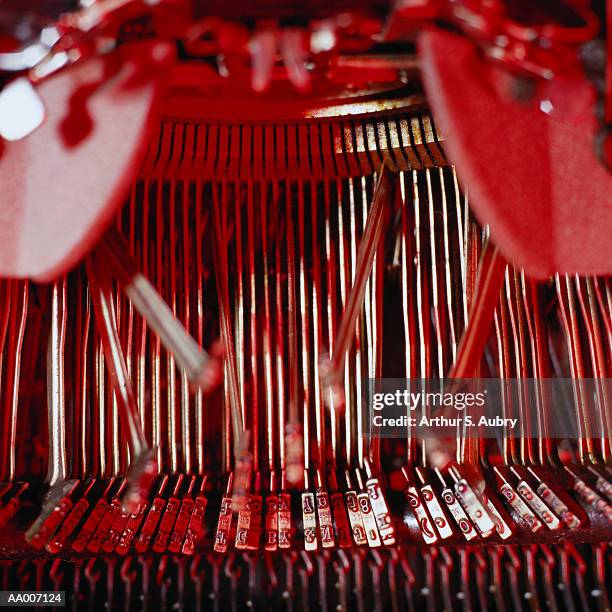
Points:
[[187, 390]]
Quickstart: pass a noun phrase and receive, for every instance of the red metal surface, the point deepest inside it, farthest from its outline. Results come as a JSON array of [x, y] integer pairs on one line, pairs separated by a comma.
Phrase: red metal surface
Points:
[[534, 179], [62, 184]]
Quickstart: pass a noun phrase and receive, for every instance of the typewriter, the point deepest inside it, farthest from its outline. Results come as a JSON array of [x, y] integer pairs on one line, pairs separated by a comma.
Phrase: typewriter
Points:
[[249, 249]]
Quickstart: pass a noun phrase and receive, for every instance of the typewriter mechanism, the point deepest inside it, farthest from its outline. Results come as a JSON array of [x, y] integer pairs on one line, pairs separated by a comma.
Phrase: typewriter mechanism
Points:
[[306, 305]]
